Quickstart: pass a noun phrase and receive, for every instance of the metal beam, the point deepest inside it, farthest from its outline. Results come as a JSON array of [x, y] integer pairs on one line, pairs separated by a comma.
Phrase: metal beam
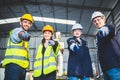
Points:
[[54, 14], [82, 11], [28, 12], [67, 3], [11, 11], [40, 11], [5, 21], [116, 4], [58, 4]]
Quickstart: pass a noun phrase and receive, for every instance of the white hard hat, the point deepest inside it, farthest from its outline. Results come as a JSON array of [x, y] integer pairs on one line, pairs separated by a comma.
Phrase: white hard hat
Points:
[[77, 26], [96, 14]]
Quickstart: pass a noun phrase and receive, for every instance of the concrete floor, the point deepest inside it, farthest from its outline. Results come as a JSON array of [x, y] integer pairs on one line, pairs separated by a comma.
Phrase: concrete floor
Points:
[[1, 74]]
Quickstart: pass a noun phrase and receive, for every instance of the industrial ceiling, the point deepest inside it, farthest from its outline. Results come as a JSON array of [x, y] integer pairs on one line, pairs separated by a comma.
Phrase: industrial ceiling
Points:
[[79, 11]]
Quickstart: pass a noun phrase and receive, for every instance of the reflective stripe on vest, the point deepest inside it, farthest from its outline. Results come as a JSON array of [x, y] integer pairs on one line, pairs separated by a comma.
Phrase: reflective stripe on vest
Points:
[[46, 57], [16, 47], [16, 57], [49, 64]]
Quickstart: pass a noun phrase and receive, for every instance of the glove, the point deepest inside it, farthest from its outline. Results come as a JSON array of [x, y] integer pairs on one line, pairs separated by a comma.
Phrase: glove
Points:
[[72, 41], [51, 42], [26, 36], [104, 31]]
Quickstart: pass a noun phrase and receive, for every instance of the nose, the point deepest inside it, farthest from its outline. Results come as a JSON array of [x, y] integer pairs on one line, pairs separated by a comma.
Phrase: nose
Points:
[[97, 21], [28, 24]]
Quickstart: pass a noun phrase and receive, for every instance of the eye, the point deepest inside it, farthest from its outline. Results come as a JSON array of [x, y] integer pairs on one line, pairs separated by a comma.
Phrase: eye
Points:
[[24, 21], [29, 23]]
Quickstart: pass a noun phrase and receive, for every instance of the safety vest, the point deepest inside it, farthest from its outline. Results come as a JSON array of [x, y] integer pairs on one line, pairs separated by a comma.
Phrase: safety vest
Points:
[[49, 62], [17, 53]]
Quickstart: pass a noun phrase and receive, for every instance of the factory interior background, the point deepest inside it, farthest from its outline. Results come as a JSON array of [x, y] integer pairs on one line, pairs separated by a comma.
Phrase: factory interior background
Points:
[[61, 14]]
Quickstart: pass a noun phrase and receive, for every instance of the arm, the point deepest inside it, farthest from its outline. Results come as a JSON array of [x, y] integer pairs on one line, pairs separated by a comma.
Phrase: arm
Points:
[[55, 45], [105, 34], [72, 46], [18, 35], [106, 31], [14, 36], [24, 36]]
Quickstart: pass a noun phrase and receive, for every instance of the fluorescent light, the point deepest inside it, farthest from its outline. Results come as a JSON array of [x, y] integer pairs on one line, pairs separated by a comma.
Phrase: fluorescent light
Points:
[[42, 19], [12, 20], [9, 20], [53, 20], [2, 22]]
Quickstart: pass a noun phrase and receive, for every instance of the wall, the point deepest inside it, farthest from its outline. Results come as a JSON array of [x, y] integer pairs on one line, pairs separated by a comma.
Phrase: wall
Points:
[[36, 39]]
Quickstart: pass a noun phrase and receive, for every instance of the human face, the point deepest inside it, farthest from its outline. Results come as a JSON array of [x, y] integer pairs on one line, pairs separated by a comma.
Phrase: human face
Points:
[[26, 24], [99, 22], [77, 33], [47, 35]]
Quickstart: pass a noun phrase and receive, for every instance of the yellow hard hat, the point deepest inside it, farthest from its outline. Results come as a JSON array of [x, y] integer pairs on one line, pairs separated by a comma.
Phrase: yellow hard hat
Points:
[[27, 17], [48, 28]]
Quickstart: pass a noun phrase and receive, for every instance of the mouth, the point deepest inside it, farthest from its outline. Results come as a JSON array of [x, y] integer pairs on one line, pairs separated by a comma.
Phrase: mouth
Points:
[[26, 27]]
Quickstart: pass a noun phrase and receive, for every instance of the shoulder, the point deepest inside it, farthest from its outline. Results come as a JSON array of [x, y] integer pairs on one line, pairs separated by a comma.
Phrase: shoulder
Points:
[[71, 38], [110, 26], [84, 42], [18, 30]]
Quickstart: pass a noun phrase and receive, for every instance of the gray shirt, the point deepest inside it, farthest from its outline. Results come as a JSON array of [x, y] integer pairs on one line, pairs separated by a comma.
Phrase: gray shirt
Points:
[[15, 35]]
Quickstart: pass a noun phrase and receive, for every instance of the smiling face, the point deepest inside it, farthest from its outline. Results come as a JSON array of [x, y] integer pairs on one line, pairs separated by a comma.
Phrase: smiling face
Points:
[[77, 32], [47, 35], [99, 21], [25, 24]]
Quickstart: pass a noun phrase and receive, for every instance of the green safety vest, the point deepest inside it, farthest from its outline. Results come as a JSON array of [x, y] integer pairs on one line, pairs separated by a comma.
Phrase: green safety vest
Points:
[[17, 53], [49, 62]]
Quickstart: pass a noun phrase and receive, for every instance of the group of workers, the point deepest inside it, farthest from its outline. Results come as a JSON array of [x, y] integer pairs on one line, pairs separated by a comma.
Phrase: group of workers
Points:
[[17, 55]]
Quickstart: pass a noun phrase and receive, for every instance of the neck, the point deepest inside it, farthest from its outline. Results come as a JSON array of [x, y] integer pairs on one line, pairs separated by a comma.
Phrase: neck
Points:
[[46, 41]]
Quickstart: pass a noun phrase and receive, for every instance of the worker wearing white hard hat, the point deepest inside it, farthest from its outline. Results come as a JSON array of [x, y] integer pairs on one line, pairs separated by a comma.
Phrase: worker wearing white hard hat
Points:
[[108, 50], [79, 62]]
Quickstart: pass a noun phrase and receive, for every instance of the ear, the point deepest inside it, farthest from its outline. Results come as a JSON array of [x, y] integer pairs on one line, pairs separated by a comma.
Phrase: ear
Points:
[[31, 24], [104, 20]]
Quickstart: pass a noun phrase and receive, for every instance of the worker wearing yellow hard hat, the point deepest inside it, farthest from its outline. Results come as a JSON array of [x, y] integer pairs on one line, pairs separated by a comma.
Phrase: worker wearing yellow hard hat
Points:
[[17, 57], [45, 61]]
